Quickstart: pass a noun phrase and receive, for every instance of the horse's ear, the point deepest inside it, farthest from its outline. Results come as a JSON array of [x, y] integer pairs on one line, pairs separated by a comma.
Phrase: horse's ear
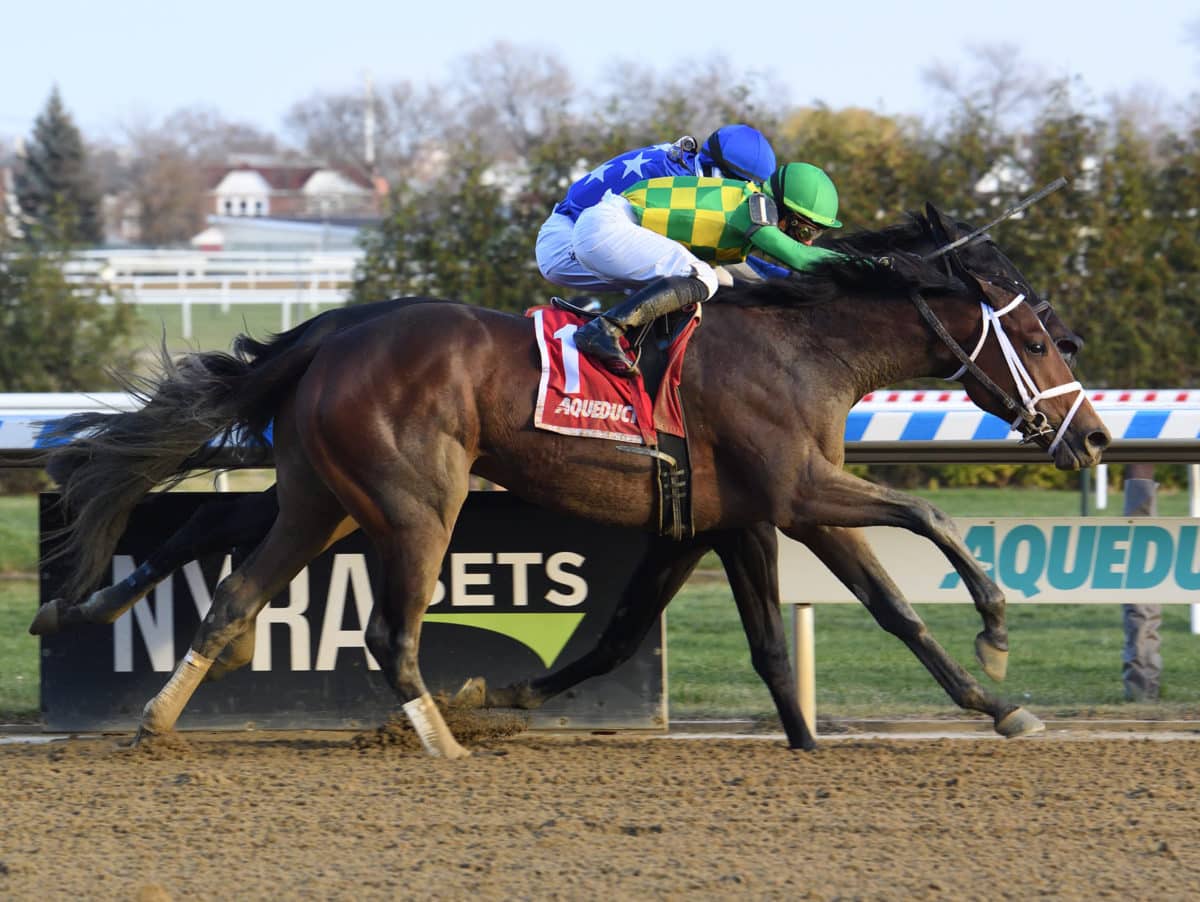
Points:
[[998, 296], [960, 271], [942, 232]]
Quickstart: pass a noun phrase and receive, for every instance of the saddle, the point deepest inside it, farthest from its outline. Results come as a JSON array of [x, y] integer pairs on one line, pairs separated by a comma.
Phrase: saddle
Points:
[[651, 348]]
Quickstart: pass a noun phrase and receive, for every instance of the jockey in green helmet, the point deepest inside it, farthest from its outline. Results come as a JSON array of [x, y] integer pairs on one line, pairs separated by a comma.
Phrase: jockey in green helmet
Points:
[[809, 198], [683, 229]]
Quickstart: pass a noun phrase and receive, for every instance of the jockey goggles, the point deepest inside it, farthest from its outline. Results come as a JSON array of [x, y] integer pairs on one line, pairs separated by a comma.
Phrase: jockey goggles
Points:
[[802, 229]]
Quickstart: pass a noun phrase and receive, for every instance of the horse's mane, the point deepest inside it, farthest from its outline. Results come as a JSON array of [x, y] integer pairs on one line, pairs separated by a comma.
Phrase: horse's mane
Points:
[[831, 280]]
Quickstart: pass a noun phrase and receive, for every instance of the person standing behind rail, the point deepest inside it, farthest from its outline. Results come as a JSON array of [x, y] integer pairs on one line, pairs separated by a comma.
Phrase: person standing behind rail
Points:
[[1141, 658]]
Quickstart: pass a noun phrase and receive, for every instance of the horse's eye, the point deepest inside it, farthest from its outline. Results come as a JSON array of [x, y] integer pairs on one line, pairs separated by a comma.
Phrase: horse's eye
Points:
[[1035, 347]]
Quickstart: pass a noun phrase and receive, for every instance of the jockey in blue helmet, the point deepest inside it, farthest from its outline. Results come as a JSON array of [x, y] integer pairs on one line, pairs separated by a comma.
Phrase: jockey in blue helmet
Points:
[[737, 152], [732, 151]]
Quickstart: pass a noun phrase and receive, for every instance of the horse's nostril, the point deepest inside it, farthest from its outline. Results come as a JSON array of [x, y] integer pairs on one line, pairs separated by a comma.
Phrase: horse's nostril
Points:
[[1098, 439]]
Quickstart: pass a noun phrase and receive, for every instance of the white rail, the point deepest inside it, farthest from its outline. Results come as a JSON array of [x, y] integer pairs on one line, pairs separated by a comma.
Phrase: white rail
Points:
[[258, 267], [225, 279]]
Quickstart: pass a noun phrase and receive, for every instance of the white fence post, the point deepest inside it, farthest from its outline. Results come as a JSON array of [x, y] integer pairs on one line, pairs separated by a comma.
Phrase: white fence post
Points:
[[805, 667], [1194, 511], [1101, 486], [185, 306]]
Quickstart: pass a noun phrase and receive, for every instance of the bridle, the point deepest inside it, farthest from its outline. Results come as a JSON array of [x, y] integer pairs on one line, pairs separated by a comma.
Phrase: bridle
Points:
[[1031, 423]]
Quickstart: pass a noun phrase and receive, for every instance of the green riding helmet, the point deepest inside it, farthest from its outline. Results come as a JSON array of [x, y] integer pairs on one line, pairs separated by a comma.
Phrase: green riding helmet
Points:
[[807, 190]]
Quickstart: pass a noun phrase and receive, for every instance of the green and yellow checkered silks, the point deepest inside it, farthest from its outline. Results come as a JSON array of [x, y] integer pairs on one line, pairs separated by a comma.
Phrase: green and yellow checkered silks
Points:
[[695, 211]]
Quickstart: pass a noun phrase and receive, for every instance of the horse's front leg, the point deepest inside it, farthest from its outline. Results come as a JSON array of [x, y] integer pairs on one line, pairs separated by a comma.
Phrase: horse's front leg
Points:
[[835, 498], [751, 560], [848, 556], [655, 582]]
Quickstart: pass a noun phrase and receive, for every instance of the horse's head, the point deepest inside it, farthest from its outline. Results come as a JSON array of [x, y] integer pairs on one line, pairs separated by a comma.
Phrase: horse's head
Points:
[[983, 257], [1017, 373]]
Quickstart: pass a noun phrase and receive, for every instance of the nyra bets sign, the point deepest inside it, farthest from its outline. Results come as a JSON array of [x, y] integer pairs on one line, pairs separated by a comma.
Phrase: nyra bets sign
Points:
[[1089, 560], [521, 592]]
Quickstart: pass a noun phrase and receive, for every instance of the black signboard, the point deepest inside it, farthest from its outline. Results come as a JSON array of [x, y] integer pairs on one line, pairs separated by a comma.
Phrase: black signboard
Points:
[[522, 591]]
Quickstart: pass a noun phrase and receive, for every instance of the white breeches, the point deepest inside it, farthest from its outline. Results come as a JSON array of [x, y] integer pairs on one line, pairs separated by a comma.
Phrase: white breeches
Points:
[[556, 257], [606, 249]]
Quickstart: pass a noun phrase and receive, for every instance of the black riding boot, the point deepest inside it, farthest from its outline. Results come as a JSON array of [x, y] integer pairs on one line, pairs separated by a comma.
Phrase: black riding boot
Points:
[[601, 337]]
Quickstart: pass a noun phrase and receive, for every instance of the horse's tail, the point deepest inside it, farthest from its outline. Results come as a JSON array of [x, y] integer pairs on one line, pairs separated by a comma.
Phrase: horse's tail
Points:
[[110, 461]]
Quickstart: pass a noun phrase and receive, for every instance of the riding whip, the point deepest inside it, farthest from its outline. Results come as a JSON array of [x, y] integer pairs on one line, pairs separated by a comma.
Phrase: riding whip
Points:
[[1011, 211]]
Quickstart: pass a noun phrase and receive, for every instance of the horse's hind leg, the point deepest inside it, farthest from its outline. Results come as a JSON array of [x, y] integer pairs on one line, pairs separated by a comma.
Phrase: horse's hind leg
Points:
[[216, 525], [240, 650], [411, 550], [846, 553], [299, 533], [655, 582]]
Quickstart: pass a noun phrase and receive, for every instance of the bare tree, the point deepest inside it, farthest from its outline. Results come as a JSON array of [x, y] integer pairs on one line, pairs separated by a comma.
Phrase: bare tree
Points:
[[163, 184], [167, 187], [994, 91], [641, 105], [511, 96], [333, 128], [208, 137], [1144, 110]]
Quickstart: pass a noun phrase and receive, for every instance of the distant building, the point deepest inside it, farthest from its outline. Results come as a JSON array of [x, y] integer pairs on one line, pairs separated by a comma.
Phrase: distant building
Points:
[[265, 233], [289, 192]]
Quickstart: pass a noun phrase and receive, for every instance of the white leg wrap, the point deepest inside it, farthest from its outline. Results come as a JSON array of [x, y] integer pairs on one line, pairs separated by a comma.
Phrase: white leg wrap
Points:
[[163, 710], [429, 725]]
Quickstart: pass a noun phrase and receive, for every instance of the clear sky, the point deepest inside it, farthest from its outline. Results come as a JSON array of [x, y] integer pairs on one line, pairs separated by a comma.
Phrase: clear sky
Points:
[[117, 60]]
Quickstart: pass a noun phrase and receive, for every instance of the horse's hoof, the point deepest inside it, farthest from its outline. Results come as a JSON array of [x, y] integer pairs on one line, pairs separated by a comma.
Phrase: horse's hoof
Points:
[[47, 620], [472, 695], [1019, 722], [455, 752], [518, 695], [143, 735], [993, 660]]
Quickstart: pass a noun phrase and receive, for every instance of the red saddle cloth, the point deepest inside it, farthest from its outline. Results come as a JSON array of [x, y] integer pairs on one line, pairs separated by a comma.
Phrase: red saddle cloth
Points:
[[578, 396]]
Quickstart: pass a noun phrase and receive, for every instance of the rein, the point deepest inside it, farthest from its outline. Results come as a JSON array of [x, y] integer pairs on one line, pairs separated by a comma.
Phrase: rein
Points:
[[1029, 421]]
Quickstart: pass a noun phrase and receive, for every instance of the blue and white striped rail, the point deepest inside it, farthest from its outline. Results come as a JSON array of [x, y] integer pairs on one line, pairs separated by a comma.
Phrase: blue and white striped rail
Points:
[[932, 416], [1152, 425], [887, 426], [24, 420], [23, 417]]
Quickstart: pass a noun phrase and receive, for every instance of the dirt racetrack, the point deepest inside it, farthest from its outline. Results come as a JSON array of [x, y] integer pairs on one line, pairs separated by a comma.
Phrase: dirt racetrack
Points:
[[343, 816]]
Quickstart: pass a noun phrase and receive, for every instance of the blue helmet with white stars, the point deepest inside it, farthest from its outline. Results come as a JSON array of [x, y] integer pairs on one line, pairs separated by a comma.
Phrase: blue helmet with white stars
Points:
[[740, 152]]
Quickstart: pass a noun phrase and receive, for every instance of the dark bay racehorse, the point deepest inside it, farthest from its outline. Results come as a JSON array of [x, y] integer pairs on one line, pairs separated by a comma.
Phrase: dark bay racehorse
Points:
[[797, 489]]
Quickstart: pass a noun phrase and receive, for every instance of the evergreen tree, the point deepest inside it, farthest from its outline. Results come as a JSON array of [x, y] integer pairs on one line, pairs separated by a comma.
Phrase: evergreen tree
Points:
[[468, 237], [1141, 340], [1054, 242], [1177, 209], [57, 336], [872, 159], [54, 187]]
